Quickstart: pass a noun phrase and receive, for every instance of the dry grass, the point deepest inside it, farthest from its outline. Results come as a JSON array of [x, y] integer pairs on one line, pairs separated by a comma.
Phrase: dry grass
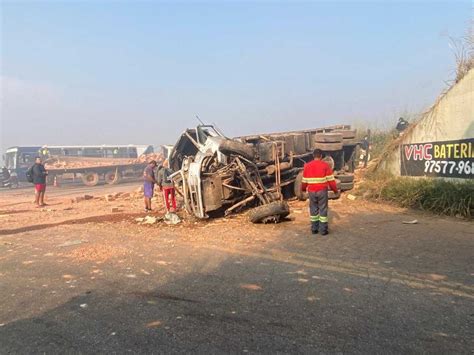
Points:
[[464, 54], [434, 195]]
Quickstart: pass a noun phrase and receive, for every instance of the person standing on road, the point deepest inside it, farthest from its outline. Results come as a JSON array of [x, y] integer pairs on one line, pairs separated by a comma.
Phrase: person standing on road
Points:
[[44, 152], [149, 184], [38, 175], [317, 177], [166, 185]]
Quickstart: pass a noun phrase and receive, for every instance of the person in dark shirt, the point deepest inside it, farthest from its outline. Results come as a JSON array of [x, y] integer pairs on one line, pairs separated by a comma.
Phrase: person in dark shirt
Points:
[[39, 174], [402, 125]]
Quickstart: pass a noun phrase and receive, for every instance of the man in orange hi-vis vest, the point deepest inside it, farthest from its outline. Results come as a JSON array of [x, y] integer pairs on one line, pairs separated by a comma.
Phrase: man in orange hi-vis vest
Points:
[[317, 177]]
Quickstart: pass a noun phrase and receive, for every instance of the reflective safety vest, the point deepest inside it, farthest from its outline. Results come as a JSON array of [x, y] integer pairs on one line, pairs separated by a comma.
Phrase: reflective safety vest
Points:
[[318, 176]]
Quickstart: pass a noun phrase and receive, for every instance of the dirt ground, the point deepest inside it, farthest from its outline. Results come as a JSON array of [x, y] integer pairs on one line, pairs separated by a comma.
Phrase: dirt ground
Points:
[[77, 277]]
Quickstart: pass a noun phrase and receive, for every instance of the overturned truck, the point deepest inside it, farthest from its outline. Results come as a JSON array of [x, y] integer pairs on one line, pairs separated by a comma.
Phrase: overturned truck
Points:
[[217, 175]]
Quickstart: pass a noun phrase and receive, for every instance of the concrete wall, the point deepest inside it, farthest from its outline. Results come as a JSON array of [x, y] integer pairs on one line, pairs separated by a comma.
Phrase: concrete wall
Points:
[[451, 118]]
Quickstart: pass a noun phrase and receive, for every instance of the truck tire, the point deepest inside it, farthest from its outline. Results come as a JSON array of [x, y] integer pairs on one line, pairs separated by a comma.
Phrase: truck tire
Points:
[[230, 146], [347, 186], [111, 178], [300, 195], [346, 133], [328, 137], [345, 178], [271, 212], [303, 195], [90, 179], [328, 147]]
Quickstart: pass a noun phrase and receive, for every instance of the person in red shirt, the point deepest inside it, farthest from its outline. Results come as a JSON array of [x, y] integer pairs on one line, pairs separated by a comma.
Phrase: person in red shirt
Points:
[[317, 178]]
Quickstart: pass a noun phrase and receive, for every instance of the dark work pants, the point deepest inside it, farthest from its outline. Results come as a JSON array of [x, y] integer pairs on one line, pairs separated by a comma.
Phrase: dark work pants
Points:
[[318, 210]]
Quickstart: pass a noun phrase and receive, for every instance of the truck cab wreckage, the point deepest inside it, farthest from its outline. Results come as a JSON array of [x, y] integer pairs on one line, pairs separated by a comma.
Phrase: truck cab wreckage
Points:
[[218, 176]]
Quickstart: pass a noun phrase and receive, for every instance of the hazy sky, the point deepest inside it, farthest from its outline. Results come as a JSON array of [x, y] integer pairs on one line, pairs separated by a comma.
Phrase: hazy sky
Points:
[[105, 72]]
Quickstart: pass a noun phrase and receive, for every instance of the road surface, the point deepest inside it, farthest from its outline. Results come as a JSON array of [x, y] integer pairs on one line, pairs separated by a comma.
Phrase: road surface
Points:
[[77, 278]]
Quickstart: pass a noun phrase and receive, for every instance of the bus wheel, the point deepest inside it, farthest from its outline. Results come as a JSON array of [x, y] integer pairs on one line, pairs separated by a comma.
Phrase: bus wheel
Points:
[[112, 177], [90, 179]]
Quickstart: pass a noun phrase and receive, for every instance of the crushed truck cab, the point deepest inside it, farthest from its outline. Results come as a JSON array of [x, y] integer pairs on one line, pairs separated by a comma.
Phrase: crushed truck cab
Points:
[[217, 175]]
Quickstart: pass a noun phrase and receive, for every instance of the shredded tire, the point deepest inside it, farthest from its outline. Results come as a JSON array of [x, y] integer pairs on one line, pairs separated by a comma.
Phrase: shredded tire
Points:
[[271, 212]]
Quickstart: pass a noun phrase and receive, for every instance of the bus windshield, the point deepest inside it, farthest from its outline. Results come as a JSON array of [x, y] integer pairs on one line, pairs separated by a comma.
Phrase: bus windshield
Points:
[[10, 160], [26, 159]]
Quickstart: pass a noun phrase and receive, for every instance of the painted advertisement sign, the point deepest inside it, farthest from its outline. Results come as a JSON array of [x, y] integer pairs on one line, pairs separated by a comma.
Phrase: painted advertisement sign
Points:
[[453, 159]]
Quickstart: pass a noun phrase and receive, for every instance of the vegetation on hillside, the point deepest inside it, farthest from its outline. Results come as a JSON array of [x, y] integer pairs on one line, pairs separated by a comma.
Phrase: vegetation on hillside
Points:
[[435, 195]]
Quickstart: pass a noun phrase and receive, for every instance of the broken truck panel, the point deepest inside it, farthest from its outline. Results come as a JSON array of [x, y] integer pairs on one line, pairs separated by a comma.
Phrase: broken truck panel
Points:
[[217, 175]]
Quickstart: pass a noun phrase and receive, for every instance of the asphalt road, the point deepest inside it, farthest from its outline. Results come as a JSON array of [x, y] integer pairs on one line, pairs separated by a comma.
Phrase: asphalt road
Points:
[[375, 285]]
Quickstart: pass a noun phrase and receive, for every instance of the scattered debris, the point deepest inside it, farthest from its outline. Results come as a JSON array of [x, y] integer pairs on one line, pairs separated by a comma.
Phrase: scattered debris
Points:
[[251, 287], [88, 197], [154, 324], [96, 252], [150, 220], [434, 277], [72, 242], [77, 199], [415, 221], [172, 218], [48, 210], [84, 305], [115, 209], [351, 197]]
